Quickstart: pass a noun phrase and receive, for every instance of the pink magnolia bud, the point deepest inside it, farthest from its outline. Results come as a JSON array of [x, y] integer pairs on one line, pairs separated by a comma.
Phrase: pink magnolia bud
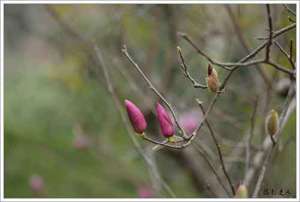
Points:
[[165, 122], [36, 183], [189, 121], [136, 117], [145, 192]]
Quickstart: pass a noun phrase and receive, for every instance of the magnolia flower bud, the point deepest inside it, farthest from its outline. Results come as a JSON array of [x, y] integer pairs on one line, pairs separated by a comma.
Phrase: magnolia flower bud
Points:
[[165, 122], [36, 183], [136, 117], [272, 122], [241, 192], [212, 79]]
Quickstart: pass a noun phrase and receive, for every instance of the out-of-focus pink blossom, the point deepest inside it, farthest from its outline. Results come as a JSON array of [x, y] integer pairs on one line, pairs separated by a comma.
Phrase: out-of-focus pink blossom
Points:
[[136, 117], [189, 121], [165, 121], [36, 183], [81, 142], [145, 192]]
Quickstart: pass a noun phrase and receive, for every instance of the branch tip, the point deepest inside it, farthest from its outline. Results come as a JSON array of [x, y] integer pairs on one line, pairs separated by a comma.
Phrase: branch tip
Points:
[[178, 49], [181, 34]]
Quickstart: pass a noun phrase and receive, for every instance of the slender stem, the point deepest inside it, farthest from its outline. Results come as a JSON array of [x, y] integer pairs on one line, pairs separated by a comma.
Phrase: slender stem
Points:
[[151, 86], [273, 140], [244, 59], [249, 139], [280, 68], [190, 139], [151, 165], [287, 108], [279, 32], [187, 38], [211, 131], [186, 73], [261, 177], [289, 56], [269, 43], [234, 67], [289, 10], [244, 43], [205, 157], [243, 64]]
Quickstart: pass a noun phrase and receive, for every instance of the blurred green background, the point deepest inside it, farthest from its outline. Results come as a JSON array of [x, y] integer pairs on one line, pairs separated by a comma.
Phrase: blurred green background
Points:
[[60, 121]]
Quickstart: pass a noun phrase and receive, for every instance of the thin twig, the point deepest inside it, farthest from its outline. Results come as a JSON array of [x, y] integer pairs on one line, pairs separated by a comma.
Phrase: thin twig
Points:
[[187, 38], [222, 86], [244, 43], [211, 132], [249, 139], [152, 166], [244, 59], [205, 157], [242, 63], [291, 54], [279, 32], [291, 20], [287, 109], [289, 10], [268, 52], [285, 53], [273, 140], [261, 176], [281, 68], [237, 28], [186, 73], [151, 86]]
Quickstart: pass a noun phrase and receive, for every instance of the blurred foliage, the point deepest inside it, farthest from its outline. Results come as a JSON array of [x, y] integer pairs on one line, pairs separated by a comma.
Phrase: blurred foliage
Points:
[[51, 87]]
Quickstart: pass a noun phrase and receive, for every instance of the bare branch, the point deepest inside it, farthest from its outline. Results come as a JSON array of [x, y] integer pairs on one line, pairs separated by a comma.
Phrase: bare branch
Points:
[[252, 54], [279, 32], [291, 55], [261, 177], [186, 73], [267, 57], [151, 86], [244, 43], [187, 38], [205, 157], [285, 53], [243, 64], [152, 166], [289, 10], [291, 20], [211, 132], [281, 68], [287, 109], [249, 139]]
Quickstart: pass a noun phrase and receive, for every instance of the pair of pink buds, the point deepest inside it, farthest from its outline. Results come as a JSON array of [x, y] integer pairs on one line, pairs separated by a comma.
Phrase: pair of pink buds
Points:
[[139, 123]]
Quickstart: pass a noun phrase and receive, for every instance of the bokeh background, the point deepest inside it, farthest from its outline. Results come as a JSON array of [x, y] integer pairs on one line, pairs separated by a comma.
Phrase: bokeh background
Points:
[[63, 134]]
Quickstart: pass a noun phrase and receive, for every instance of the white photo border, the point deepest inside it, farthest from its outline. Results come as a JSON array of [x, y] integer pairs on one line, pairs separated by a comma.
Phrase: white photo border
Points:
[[4, 2]]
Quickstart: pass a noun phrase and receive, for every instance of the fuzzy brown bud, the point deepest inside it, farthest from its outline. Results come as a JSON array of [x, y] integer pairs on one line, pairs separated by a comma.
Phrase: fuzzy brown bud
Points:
[[212, 79]]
